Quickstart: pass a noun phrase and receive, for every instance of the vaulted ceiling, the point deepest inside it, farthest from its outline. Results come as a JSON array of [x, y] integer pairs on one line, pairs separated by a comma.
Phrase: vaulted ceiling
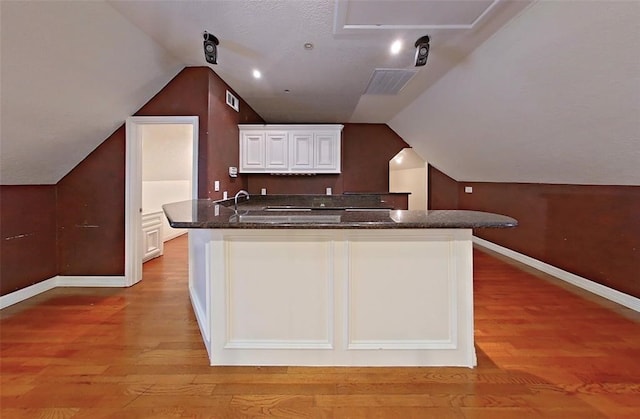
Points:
[[513, 91]]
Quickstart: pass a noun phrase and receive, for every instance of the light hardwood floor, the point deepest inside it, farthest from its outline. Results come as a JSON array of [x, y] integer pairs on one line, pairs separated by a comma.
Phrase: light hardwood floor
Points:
[[544, 348]]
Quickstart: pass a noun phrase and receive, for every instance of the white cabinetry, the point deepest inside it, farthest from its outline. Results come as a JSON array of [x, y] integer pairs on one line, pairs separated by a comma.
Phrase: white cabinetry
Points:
[[277, 150], [252, 145], [152, 243], [290, 149], [301, 150], [334, 297]]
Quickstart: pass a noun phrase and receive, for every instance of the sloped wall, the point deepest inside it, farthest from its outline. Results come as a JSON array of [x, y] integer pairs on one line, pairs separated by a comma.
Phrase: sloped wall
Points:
[[77, 226], [544, 100]]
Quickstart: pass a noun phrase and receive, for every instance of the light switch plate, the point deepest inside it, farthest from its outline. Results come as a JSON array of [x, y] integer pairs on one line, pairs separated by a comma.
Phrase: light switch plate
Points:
[[216, 185], [468, 189]]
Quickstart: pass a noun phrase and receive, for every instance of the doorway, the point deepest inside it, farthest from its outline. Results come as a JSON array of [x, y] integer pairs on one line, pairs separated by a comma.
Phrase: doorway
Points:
[[408, 173], [137, 129]]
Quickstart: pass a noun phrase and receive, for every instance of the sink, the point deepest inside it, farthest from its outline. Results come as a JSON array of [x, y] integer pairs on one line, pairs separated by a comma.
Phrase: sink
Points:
[[296, 208], [286, 208], [284, 219]]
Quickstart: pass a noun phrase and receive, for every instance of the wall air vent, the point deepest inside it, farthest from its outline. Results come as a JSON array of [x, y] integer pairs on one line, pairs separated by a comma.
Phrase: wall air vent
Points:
[[233, 101], [388, 81]]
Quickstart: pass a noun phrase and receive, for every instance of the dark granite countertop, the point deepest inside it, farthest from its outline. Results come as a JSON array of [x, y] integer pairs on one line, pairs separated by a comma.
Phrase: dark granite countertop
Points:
[[320, 211]]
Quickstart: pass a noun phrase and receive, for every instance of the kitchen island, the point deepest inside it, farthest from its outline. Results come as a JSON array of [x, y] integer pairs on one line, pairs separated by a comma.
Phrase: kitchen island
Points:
[[317, 280]]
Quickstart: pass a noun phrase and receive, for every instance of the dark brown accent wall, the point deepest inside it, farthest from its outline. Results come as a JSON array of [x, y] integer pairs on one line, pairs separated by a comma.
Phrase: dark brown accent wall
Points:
[[77, 226], [90, 212], [442, 190], [199, 91], [27, 235], [186, 95], [590, 231], [366, 151], [91, 197], [223, 149]]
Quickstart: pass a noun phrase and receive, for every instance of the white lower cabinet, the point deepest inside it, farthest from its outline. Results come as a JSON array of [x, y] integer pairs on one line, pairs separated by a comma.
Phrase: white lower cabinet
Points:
[[152, 240], [397, 297], [290, 149]]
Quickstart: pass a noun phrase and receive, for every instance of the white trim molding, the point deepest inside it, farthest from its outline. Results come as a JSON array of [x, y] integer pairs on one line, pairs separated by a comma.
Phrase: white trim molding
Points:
[[133, 186], [27, 292], [92, 281], [61, 281], [578, 281]]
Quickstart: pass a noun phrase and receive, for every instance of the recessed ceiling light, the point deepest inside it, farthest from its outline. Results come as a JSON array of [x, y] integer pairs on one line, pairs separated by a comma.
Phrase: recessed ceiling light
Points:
[[308, 45], [396, 47], [287, 91], [257, 74]]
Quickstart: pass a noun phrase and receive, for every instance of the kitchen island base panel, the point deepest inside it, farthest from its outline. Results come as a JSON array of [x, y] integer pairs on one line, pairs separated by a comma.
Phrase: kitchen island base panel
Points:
[[401, 297]]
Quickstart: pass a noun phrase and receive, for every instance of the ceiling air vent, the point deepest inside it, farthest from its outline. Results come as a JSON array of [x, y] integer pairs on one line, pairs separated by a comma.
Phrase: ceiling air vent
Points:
[[388, 81]]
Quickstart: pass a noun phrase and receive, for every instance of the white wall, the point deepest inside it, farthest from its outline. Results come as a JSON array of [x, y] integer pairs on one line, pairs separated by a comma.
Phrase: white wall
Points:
[[408, 173], [167, 156], [82, 68], [553, 97]]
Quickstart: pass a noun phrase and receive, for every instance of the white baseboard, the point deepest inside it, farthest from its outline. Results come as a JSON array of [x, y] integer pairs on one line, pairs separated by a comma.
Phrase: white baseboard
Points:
[[28, 292], [586, 284], [201, 318], [177, 233], [91, 281], [61, 281]]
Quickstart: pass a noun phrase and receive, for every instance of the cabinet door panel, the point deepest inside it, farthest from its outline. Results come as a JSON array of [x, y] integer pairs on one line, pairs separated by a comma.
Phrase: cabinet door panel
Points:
[[326, 151], [276, 150], [252, 151], [302, 151]]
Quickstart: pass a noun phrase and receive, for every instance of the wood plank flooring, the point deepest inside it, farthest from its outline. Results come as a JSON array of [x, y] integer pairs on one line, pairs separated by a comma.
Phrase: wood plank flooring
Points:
[[545, 349]]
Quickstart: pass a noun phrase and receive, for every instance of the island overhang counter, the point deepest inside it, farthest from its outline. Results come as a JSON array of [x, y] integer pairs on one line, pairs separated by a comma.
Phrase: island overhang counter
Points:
[[337, 286]]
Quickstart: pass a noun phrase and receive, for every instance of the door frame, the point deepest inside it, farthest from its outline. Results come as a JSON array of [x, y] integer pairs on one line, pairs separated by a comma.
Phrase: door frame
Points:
[[133, 187]]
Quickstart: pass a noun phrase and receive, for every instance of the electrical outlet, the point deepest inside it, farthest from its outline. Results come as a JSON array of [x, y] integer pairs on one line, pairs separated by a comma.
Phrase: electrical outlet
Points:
[[216, 185], [329, 191], [224, 195], [263, 191]]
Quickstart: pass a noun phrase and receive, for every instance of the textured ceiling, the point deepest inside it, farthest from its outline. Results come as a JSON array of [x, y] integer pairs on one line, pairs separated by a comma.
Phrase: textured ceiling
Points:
[[325, 84], [550, 96]]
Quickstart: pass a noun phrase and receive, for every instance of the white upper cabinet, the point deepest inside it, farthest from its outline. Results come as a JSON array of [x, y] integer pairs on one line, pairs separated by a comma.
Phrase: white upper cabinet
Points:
[[326, 151], [252, 148], [290, 149], [277, 146], [301, 150]]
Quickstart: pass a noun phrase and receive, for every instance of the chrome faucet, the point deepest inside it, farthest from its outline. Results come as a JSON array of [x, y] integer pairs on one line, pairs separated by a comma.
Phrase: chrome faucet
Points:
[[240, 192]]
